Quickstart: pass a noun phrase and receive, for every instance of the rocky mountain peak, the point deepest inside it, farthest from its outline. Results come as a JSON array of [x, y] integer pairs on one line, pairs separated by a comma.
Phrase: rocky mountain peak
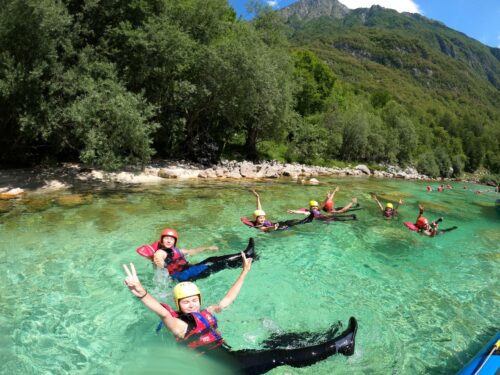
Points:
[[309, 9]]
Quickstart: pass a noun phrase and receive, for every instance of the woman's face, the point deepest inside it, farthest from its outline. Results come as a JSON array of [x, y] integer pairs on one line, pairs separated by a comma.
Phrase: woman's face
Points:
[[261, 219], [189, 304], [168, 241]]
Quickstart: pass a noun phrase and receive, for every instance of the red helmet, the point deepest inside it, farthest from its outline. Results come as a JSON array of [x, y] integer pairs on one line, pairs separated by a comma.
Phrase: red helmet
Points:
[[421, 222], [171, 233], [329, 205]]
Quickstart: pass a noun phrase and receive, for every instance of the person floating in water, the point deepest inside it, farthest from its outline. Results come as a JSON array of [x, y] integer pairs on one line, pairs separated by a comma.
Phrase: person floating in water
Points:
[[389, 211], [264, 225], [164, 253], [328, 206], [423, 227], [259, 216], [197, 328]]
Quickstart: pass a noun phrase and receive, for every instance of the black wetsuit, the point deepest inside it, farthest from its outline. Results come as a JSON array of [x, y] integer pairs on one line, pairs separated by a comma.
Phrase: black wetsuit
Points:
[[278, 352], [210, 265]]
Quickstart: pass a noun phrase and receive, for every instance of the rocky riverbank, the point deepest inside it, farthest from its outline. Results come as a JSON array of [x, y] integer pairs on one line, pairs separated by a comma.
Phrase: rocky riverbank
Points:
[[14, 183]]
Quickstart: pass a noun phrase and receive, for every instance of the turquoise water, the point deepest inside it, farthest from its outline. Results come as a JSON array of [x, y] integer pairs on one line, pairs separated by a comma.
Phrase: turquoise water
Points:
[[424, 305]]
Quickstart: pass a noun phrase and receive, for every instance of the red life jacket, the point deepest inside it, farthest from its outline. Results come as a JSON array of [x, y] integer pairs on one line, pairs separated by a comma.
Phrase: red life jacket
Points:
[[204, 335], [205, 332], [176, 262]]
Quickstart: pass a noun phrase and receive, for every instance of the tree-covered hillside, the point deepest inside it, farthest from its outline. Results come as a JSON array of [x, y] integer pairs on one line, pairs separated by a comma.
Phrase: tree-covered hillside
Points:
[[111, 83], [447, 83]]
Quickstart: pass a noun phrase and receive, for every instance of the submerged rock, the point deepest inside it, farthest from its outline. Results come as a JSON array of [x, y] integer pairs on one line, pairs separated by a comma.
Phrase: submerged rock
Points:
[[73, 200]]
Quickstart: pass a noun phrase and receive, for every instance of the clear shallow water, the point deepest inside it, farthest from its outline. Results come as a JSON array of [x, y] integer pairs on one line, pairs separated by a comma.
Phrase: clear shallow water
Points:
[[424, 306]]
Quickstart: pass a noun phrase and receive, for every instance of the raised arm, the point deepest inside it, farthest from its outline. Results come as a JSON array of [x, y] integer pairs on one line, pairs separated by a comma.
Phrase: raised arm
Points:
[[257, 198], [235, 289], [176, 326], [421, 211], [198, 250], [346, 208], [303, 212], [378, 203]]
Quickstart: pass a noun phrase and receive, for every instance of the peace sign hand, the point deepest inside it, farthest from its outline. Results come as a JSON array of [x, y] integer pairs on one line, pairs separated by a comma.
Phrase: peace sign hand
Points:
[[132, 281]]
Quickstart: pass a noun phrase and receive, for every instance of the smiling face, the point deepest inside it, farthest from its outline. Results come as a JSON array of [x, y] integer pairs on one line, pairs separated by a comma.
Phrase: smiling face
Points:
[[168, 241], [260, 219], [189, 304]]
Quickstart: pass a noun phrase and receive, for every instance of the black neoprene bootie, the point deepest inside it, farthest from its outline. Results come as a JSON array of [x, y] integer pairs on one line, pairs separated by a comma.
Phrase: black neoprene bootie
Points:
[[346, 341]]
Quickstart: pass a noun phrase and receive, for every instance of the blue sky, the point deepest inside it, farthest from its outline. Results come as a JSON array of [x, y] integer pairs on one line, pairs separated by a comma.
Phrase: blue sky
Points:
[[478, 19]]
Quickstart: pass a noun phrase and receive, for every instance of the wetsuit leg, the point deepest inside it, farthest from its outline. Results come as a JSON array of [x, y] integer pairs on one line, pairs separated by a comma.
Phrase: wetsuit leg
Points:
[[340, 218], [296, 340], [290, 223], [214, 264], [260, 361], [441, 231]]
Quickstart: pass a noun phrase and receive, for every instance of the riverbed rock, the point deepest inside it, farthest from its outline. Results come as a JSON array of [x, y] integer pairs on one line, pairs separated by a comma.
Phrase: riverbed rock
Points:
[[207, 173], [363, 168], [73, 200], [248, 170], [12, 193], [54, 185]]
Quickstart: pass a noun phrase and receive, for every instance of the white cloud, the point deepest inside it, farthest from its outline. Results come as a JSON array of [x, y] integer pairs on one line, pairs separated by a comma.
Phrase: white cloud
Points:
[[399, 5], [272, 3]]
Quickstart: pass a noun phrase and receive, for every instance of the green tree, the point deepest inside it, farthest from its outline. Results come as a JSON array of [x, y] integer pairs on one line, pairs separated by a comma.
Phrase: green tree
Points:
[[315, 82]]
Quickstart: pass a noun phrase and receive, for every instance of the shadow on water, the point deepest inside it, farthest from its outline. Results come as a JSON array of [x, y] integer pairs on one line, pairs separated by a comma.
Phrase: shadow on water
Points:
[[459, 359]]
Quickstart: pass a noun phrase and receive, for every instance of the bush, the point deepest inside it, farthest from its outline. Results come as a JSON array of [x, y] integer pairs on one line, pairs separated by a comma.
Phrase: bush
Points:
[[427, 165]]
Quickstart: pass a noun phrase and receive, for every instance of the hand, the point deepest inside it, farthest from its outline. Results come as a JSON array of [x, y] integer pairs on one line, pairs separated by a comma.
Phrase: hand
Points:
[[247, 262], [400, 201], [159, 258], [212, 248], [255, 193], [374, 197], [336, 189], [276, 226], [354, 200], [132, 281], [290, 211]]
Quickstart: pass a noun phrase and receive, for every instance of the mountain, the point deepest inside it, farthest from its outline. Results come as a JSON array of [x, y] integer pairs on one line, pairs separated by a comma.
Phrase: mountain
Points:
[[309, 9], [379, 45]]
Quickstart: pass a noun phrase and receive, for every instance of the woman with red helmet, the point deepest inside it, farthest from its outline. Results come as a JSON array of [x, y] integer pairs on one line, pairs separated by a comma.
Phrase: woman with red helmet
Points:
[[164, 253], [431, 230]]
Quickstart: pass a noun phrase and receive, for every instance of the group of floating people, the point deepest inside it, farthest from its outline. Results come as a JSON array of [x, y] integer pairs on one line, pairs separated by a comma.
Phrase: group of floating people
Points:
[[327, 212], [197, 327]]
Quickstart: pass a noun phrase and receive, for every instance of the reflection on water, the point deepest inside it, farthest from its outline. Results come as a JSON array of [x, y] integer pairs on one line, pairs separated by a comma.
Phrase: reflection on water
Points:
[[423, 305]]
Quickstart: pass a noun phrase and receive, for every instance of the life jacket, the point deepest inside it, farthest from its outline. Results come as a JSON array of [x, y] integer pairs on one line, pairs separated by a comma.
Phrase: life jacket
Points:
[[204, 334], [317, 214], [250, 223], [388, 213], [175, 261], [148, 251]]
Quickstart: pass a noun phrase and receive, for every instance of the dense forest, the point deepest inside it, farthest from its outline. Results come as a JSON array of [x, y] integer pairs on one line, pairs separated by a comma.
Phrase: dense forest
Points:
[[113, 83]]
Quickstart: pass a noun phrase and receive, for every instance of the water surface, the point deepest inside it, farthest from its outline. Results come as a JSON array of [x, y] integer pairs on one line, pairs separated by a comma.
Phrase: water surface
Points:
[[424, 305]]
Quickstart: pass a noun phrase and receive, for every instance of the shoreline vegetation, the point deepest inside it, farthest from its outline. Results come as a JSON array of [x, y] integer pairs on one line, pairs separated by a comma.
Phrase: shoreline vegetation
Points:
[[115, 84], [14, 183]]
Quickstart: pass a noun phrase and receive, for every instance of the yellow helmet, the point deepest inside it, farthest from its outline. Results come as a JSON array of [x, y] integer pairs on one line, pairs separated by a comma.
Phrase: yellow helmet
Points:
[[313, 203], [258, 213], [183, 290], [389, 205]]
